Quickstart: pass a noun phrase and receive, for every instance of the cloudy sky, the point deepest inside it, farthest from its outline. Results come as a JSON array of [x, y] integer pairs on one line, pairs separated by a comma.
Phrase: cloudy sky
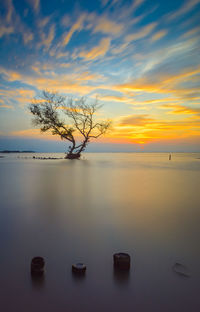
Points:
[[141, 58]]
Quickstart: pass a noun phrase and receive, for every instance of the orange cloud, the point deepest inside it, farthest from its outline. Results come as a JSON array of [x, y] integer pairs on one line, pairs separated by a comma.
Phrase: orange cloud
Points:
[[61, 55], [98, 51], [146, 30], [180, 109], [42, 22], [47, 40], [66, 83], [21, 96], [144, 128], [119, 48], [141, 120], [27, 37], [115, 98], [34, 133], [106, 26], [3, 105], [158, 35], [163, 84], [192, 32], [139, 129], [76, 27], [6, 30]]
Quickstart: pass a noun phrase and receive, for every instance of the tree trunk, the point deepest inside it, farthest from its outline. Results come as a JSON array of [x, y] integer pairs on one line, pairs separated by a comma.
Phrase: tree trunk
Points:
[[76, 155], [73, 155], [83, 146]]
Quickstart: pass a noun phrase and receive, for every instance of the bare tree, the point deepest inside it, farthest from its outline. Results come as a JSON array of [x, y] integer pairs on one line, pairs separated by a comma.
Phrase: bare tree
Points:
[[49, 109]]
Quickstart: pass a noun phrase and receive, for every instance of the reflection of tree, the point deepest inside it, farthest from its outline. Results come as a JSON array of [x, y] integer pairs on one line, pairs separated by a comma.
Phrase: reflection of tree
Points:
[[47, 110]]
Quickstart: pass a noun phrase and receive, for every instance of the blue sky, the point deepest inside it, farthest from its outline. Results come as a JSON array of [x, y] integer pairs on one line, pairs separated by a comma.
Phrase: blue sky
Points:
[[141, 58]]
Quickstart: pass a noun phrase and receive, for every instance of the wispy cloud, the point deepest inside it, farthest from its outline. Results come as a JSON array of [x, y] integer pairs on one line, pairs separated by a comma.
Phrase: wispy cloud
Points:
[[10, 10], [15, 96], [184, 9], [42, 22], [27, 37], [33, 133], [97, 51], [181, 109], [104, 2], [143, 128], [12, 23], [158, 35], [6, 30], [66, 83], [141, 33], [192, 32], [134, 120], [181, 48], [128, 11], [4, 105], [162, 83], [35, 5], [136, 4], [61, 55], [47, 39], [66, 20], [6, 25], [118, 49], [106, 26], [75, 28]]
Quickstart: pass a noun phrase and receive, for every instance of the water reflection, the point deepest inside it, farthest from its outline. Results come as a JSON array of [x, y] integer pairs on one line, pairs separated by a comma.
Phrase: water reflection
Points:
[[37, 281], [121, 277], [78, 277], [90, 208]]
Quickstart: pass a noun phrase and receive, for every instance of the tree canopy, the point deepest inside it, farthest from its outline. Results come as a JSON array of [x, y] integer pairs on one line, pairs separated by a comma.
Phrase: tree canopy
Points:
[[49, 110]]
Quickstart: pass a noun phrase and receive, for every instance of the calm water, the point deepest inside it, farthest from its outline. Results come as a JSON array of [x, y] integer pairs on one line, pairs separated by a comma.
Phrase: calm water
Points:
[[84, 211]]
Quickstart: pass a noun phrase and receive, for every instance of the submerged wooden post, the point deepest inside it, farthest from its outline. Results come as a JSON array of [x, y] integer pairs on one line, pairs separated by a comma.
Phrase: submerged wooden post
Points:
[[37, 266], [79, 268], [122, 261]]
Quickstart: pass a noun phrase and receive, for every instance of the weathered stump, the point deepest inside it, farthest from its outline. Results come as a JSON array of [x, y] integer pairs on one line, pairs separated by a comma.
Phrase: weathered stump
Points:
[[122, 261], [79, 268], [37, 266]]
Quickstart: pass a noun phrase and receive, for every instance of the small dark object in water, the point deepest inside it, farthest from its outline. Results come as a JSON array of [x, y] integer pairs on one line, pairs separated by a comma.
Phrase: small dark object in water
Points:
[[73, 156], [37, 266], [122, 261], [181, 269], [45, 158], [79, 268]]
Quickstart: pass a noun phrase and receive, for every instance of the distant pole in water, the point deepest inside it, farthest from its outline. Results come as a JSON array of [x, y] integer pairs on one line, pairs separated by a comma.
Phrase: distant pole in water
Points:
[[170, 156]]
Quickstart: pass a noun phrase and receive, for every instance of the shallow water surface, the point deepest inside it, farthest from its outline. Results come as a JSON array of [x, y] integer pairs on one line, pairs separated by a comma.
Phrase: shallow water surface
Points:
[[84, 211]]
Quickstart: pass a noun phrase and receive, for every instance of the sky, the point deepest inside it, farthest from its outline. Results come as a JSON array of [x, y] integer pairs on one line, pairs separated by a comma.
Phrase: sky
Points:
[[140, 58]]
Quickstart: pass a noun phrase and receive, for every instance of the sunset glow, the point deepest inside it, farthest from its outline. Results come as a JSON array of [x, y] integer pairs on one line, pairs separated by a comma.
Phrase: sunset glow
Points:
[[141, 58]]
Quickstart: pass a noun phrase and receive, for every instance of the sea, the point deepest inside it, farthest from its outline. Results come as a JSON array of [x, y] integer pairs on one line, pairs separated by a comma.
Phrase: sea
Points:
[[85, 211]]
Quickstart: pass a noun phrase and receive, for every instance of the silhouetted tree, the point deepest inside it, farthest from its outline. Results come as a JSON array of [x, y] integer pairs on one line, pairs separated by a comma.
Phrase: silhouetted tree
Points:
[[49, 110]]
